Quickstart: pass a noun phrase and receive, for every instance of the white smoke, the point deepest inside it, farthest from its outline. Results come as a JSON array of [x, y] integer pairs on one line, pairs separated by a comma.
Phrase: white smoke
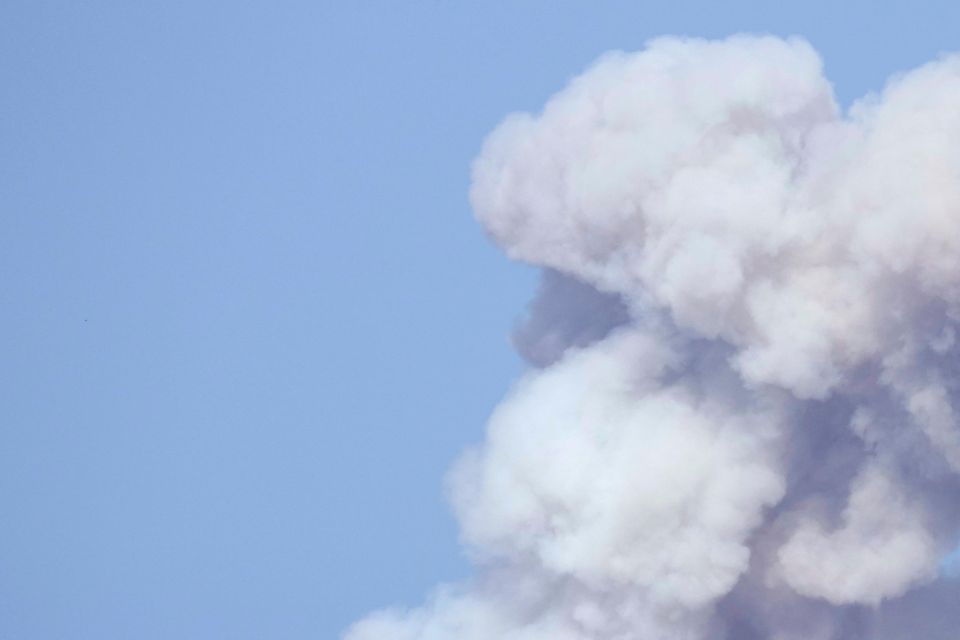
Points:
[[740, 423]]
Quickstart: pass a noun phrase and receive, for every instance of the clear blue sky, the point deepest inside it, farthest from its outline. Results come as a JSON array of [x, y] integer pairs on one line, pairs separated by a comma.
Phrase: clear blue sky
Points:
[[246, 319]]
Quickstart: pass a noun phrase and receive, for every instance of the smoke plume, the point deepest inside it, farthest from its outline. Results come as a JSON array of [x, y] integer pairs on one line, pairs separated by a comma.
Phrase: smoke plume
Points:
[[740, 417]]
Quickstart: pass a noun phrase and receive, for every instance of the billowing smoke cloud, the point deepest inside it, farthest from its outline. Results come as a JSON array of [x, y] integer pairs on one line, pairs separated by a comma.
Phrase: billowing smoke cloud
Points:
[[740, 422]]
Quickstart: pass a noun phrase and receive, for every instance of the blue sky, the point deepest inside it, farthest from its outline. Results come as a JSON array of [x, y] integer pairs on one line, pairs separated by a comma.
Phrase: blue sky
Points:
[[246, 319]]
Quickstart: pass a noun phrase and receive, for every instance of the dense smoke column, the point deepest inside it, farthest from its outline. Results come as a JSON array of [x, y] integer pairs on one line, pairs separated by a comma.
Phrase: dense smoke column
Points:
[[739, 421]]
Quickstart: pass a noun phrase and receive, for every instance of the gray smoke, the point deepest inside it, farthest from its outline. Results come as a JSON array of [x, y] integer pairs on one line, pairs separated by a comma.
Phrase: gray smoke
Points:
[[566, 313], [740, 423]]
